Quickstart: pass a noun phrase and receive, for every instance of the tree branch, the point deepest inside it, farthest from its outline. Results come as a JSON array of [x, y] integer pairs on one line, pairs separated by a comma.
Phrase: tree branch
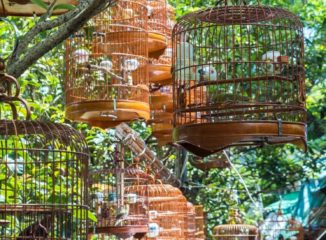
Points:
[[68, 23]]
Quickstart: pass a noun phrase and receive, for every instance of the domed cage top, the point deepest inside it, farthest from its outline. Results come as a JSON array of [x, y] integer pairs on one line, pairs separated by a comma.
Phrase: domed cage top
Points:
[[43, 175], [167, 212], [106, 68], [28, 8], [120, 200], [238, 78], [235, 229]]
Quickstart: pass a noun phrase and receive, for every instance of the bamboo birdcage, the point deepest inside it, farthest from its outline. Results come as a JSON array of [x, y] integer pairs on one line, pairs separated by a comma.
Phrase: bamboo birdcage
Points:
[[281, 227], [161, 104], [238, 78], [167, 206], [200, 222], [43, 174], [160, 69], [157, 27], [106, 68], [235, 229], [29, 8], [120, 199]]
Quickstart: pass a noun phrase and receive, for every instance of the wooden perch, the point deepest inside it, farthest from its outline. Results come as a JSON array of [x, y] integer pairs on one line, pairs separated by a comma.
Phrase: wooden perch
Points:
[[132, 140]]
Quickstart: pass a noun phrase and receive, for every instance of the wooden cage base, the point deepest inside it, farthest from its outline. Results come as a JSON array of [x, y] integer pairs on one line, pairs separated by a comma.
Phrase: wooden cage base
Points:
[[157, 43], [207, 138], [161, 102], [102, 113], [160, 74], [138, 231]]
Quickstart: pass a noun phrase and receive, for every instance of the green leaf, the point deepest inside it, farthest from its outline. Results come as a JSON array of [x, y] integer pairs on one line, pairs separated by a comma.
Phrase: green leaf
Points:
[[40, 3], [91, 216], [80, 212], [64, 6]]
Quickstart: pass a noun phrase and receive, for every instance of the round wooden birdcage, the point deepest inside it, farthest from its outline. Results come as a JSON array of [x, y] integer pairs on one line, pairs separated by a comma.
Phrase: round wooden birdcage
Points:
[[43, 174], [106, 68], [161, 104], [157, 27], [120, 201], [160, 69], [238, 78], [29, 8], [167, 206], [235, 229], [200, 222], [278, 226]]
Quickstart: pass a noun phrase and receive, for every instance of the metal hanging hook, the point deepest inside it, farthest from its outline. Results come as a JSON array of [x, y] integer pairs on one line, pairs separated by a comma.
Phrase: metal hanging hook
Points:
[[8, 95]]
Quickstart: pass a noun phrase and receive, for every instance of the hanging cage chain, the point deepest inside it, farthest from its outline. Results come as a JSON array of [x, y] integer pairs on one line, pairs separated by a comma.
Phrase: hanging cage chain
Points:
[[10, 91]]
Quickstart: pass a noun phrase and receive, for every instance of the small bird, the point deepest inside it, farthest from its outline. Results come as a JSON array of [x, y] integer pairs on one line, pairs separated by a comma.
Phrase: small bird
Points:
[[37, 230], [122, 215]]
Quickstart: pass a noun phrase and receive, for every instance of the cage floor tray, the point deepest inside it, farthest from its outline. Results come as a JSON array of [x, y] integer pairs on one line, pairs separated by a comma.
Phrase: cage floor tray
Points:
[[102, 113], [160, 74], [32, 208], [207, 138], [157, 43], [137, 231], [27, 8]]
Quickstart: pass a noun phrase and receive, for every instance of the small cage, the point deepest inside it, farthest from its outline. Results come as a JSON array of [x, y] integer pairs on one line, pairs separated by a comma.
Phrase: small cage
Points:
[[200, 222], [29, 8], [106, 68], [157, 27], [167, 206], [238, 78], [161, 104], [278, 226], [119, 199], [43, 175], [235, 229], [191, 222]]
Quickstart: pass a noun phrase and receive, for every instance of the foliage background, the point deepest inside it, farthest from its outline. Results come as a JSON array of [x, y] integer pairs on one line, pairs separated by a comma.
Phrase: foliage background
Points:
[[268, 171]]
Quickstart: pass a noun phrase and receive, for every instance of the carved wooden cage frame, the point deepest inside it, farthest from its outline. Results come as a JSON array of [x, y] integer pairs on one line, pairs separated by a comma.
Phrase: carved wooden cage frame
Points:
[[238, 78]]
